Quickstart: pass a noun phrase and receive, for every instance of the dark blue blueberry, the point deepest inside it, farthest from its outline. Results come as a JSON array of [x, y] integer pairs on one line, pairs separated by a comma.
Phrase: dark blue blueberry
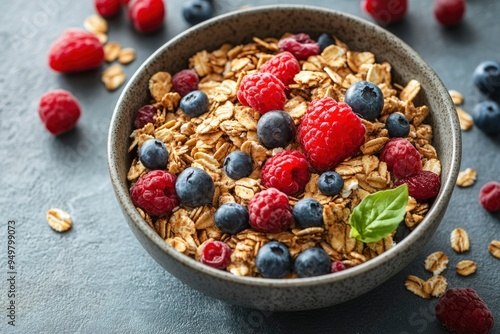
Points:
[[153, 154], [276, 129], [308, 212], [195, 103], [274, 260], [487, 78], [194, 187], [238, 165], [196, 11], [312, 262], [486, 116], [365, 99], [401, 232], [330, 183], [231, 218], [397, 125], [325, 40]]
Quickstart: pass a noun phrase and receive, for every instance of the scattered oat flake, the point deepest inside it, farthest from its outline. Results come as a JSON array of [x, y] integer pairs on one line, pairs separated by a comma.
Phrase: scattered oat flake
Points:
[[59, 220], [113, 77], [436, 262], [111, 51], [460, 240], [436, 286], [466, 267], [466, 178], [95, 24], [466, 121], [494, 248], [126, 56], [416, 285], [457, 97]]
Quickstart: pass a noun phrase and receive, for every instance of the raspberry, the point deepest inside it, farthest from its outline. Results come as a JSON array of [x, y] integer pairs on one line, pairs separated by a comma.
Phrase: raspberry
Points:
[[155, 193], [401, 157], [338, 266], [107, 8], [144, 116], [421, 185], [286, 171], [185, 82], [330, 132], [449, 12], [489, 196], [386, 11], [75, 50], [215, 254], [146, 15], [262, 91], [59, 111], [462, 311], [269, 211], [300, 45], [284, 66]]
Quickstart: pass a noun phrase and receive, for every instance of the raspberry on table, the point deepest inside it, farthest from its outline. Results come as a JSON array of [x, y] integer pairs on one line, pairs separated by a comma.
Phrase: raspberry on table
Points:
[[155, 193], [286, 171], [215, 254], [59, 111], [262, 91], [274, 260], [146, 15], [386, 11], [284, 66], [145, 115], [489, 196], [300, 45], [185, 81], [330, 132], [107, 8], [401, 157], [422, 184], [270, 211], [75, 50], [449, 12], [462, 311]]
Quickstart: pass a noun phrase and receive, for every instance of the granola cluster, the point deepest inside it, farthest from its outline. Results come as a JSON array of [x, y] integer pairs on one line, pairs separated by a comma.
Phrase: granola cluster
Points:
[[205, 141]]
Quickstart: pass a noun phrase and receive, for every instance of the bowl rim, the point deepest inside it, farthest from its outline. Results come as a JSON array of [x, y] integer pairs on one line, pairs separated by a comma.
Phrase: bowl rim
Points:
[[447, 184]]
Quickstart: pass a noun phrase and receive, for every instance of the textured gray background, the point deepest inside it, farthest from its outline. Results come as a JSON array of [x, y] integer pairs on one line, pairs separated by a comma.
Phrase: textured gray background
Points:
[[97, 278]]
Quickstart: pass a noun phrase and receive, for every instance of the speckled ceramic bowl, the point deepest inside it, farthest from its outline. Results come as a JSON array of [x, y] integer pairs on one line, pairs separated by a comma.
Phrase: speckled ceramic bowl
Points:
[[241, 26]]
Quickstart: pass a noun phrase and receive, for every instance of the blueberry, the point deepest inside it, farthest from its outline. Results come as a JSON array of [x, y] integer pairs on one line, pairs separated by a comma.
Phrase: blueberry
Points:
[[238, 165], [330, 183], [487, 78], [231, 218], [325, 40], [365, 99], [397, 125], [196, 11], [401, 232], [312, 262], [194, 187], [308, 213], [194, 103], [153, 154], [274, 260], [486, 116], [276, 129]]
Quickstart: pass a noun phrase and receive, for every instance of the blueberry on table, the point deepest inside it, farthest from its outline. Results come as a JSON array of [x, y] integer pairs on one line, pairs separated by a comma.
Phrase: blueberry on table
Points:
[[325, 40], [238, 165], [276, 129], [397, 125], [196, 11], [330, 183], [365, 99], [486, 116], [194, 187], [312, 262], [231, 218], [153, 154], [274, 260], [194, 103], [308, 213], [487, 78]]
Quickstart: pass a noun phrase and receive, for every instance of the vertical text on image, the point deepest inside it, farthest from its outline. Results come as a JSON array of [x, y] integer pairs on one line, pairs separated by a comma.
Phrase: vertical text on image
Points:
[[11, 272]]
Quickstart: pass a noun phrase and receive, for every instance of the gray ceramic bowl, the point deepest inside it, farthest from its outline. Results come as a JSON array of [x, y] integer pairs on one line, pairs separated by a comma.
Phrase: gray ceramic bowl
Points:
[[241, 26]]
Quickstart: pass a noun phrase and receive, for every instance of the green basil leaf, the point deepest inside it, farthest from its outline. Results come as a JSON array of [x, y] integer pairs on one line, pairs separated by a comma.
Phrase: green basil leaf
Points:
[[379, 214]]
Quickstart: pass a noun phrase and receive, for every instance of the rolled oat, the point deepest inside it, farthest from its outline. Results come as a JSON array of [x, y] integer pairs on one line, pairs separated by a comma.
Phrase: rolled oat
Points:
[[59, 220], [466, 267], [460, 240]]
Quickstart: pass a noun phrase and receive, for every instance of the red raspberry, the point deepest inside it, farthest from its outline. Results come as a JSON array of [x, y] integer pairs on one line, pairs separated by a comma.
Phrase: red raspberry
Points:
[[262, 91], [185, 81], [338, 266], [462, 311], [489, 196], [270, 211], [421, 185], [75, 50], [330, 132], [144, 116], [300, 45], [401, 157], [449, 12], [286, 171], [155, 193], [59, 111], [107, 8], [386, 11], [124, 2], [284, 66], [146, 15], [216, 254]]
